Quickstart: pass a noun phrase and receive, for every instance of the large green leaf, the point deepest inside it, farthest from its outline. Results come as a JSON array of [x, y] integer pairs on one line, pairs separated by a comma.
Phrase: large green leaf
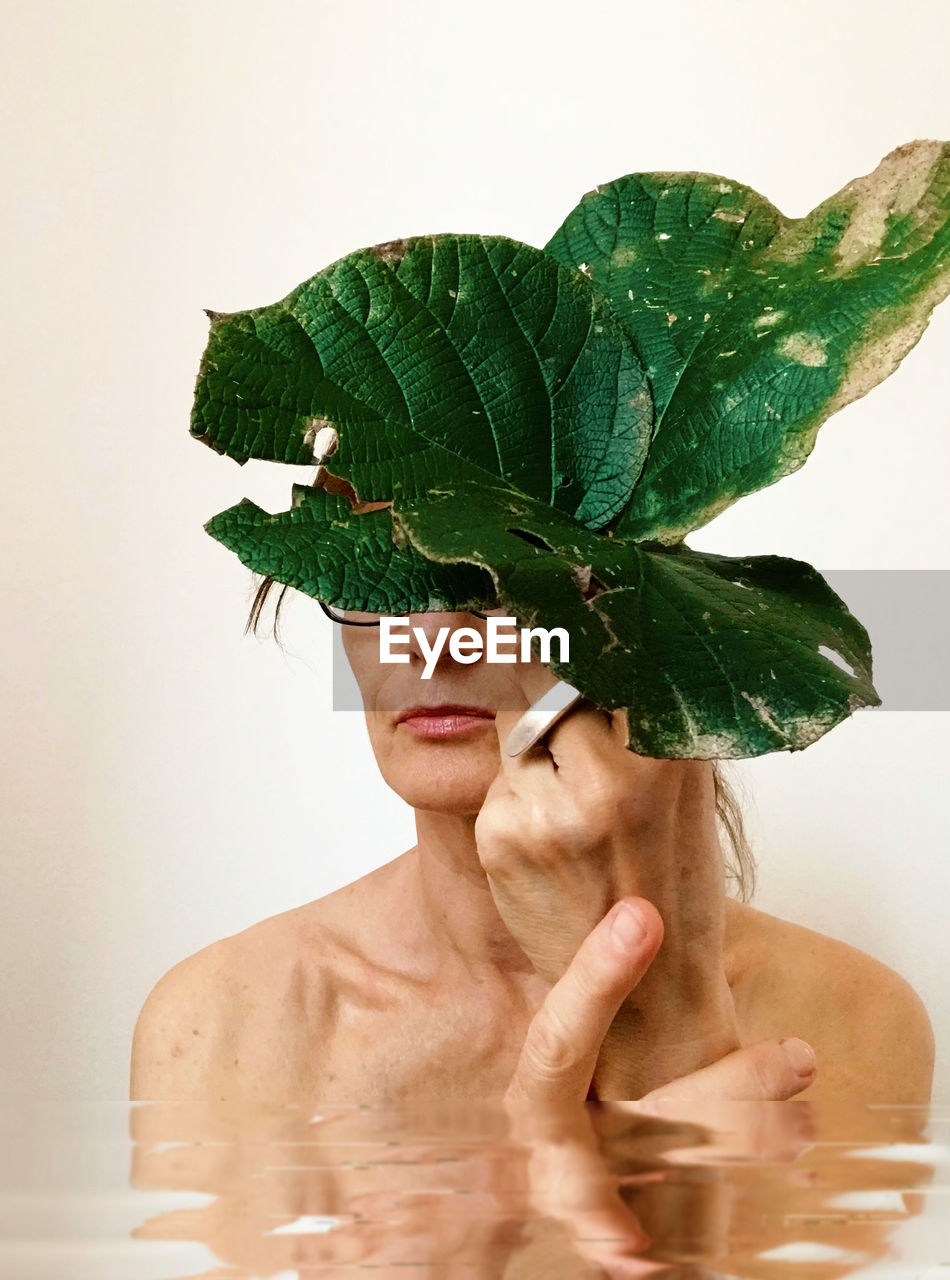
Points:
[[756, 327], [541, 428], [431, 354]]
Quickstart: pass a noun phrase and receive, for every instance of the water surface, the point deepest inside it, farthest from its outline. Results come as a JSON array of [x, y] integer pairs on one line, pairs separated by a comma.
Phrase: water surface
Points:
[[149, 1190]]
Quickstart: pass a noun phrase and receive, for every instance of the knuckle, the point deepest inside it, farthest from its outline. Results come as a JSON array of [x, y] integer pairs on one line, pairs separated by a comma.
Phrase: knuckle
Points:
[[489, 855], [485, 829], [607, 796], [492, 840], [550, 1051], [564, 823]]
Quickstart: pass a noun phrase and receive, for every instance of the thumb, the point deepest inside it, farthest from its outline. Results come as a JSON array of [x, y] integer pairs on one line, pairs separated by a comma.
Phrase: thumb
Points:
[[770, 1071], [564, 1039]]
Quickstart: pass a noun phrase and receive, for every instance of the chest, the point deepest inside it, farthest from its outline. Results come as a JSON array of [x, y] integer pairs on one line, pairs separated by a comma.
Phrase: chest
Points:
[[448, 1049], [399, 1046], [371, 1037]]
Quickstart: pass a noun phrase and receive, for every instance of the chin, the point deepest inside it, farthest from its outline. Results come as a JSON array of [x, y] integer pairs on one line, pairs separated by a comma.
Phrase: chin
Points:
[[457, 786]]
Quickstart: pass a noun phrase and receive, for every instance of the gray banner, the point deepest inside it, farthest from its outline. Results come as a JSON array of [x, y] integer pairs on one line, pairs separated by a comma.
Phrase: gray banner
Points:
[[906, 613]]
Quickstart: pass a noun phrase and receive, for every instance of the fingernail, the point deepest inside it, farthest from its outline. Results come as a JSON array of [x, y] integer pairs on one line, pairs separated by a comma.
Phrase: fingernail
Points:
[[800, 1055], [627, 929]]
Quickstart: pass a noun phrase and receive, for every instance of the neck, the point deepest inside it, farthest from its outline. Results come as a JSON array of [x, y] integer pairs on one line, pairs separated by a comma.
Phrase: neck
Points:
[[455, 903]]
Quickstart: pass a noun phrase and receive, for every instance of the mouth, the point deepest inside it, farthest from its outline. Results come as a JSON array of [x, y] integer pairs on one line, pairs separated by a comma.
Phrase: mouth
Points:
[[445, 720]]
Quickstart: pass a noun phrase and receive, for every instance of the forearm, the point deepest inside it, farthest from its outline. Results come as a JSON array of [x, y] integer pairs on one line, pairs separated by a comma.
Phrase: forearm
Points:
[[649, 1045]]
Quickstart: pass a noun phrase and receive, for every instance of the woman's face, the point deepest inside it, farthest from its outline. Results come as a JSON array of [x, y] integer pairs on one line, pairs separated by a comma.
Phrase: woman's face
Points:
[[444, 764]]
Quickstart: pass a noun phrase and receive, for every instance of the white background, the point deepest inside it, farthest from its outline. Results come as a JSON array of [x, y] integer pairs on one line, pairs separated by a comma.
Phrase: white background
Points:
[[168, 780]]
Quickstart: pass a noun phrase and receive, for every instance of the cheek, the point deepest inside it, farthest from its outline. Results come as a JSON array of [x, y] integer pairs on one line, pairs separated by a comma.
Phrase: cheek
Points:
[[362, 653]]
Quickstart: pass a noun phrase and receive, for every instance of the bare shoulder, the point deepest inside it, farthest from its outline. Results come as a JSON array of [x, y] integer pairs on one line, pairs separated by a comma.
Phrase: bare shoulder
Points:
[[223, 1019], [180, 1023], [867, 1024]]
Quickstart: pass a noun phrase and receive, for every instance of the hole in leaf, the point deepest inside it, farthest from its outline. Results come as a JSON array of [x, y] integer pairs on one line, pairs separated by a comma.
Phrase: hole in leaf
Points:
[[835, 657], [533, 538], [594, 587]]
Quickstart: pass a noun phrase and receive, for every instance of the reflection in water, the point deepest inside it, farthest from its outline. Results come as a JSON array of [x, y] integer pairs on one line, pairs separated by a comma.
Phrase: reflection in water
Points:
[[613, 1189]]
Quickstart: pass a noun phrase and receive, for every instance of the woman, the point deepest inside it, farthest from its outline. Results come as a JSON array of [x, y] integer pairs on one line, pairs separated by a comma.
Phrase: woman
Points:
[[479, 963]]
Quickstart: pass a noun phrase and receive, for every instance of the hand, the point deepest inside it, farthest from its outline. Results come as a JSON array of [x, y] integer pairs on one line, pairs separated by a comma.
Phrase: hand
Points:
[[568, 1179], [564, 1037], [576, 823]]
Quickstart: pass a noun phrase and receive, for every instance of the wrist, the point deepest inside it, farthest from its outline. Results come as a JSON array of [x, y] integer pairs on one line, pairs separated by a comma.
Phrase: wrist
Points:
[[646, 1047]]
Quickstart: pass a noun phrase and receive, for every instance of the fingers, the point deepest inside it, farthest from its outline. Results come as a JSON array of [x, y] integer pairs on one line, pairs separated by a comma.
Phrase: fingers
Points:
[[770, 1071], [565, 1036], [586, 728], [579, 737], [531, 759]]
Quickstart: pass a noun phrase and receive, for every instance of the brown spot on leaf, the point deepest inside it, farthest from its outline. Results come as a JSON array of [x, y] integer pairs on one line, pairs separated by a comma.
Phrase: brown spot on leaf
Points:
[[623, 256], [594, 586], [886, 341], [360, 507], [897, 185], [804, 349], [762, 709], [582, 573], [390, 250], [324, 479]]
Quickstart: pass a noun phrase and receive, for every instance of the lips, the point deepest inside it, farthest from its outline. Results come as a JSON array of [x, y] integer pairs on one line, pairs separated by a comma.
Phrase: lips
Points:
[[445, 709]]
